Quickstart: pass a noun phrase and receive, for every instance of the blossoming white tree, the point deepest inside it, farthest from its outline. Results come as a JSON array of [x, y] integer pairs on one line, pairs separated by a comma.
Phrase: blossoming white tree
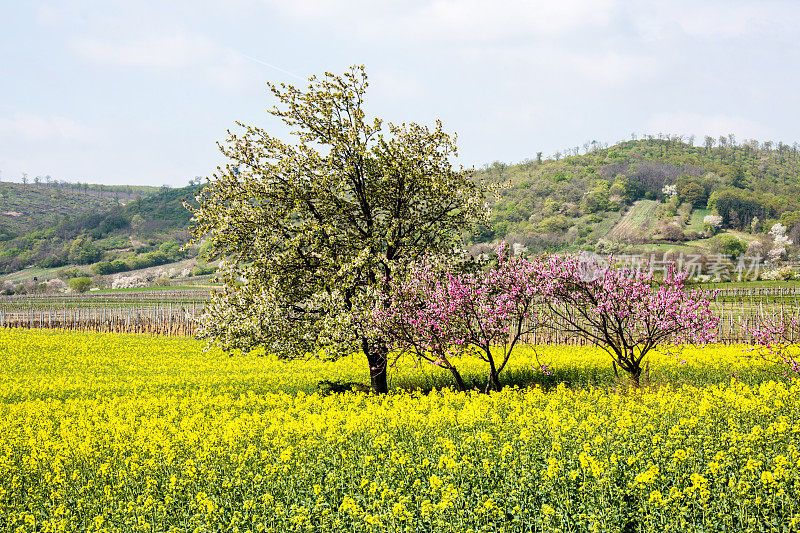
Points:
[[779, 242], [311, 228], [712, 223]]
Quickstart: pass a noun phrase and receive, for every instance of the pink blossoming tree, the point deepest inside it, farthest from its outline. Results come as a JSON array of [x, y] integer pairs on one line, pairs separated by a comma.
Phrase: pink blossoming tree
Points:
[[439, 314], [622, 309], [776, 341]]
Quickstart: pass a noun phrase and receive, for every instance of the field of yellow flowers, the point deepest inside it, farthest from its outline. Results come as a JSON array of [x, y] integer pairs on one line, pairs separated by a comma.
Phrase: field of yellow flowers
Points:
[[104, 432]]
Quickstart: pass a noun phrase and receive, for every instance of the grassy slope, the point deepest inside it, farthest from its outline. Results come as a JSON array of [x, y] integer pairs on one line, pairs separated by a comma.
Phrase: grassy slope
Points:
[[636, 223], [24, 208], [118, 231], [44, 274], [696, 222], [545, 207]]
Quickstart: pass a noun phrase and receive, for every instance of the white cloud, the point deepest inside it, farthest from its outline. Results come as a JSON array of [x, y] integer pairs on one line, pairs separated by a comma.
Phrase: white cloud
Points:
[[48, 15], [687, 123], [30, 128], [48, 144], [177, 53], [395, 85], [455, 20], [728, 20], [601, 68], [716, 19], [573, 68], [475, 20]]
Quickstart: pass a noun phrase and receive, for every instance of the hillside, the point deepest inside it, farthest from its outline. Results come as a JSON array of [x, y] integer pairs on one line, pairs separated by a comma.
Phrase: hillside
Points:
[[27, 207], [107, 238], [640, 196], [645, 194]]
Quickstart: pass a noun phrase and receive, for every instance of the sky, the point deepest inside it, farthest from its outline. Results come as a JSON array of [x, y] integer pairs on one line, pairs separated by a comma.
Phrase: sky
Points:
[[140, 92]]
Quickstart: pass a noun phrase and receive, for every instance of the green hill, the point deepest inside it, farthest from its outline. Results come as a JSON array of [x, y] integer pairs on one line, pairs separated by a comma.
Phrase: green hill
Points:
[[641, 193], [144, 232], [27, 207], [637, 196]]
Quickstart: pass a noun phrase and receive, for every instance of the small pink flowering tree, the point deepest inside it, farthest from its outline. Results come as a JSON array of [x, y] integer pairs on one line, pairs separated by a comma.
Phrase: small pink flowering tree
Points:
[[439, 314], [777, 340], [415, 319], [622, 309]]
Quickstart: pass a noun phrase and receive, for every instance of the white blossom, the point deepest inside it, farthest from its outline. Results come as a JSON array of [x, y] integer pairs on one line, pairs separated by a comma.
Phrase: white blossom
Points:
[[128, 282]]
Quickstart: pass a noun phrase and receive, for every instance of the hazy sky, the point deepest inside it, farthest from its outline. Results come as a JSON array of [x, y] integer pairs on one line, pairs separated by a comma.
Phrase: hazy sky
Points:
[[138, 92]]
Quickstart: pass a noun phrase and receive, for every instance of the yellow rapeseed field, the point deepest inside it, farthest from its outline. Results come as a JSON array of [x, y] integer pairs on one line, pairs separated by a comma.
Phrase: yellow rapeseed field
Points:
[[135, 433]]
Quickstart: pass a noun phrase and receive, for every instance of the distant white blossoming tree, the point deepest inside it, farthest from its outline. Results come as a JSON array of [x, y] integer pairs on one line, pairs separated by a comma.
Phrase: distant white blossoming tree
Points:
[[712, 223]]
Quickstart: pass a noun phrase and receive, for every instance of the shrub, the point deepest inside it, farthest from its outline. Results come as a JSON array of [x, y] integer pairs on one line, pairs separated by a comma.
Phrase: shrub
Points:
[[712, 224], [109, 267], [671, 232], [55, 285], [128, 282], [200, 270], [778, 274], [147, 260], [81, 284], [554, 224], [69, 273], [53, 261], [728, 245]]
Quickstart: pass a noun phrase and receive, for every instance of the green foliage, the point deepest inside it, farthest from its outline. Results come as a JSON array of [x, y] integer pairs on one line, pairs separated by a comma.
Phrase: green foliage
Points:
[[738, 208], [69, 273], [694, 193], [727, 244], [203, 270], [106, 236], [554, 224], [110, 267], [746, 181], [790, 218], [148, 259], [83, 252], [597, 199], [309, 229], [26, 208], [6, 234], [630, 190], [80, 284], [53, 261]]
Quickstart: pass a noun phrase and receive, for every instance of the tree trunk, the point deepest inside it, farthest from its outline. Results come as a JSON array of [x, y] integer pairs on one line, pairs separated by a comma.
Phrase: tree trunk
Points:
[[377, 357], [635, 373], [496, 380], [493, 383], [459, 381], [377, 377]]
